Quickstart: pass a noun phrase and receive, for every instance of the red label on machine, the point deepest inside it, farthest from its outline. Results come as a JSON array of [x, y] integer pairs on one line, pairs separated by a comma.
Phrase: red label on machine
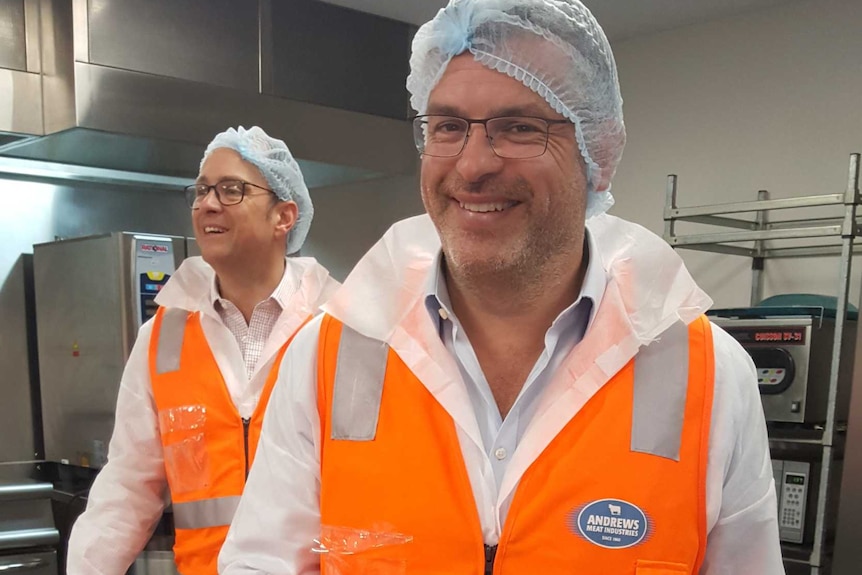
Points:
[[154, 248], [768, 335]]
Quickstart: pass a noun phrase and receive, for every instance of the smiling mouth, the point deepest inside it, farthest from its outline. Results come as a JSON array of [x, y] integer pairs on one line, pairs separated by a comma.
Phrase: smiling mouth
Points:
[[487, 207], [214, 230]]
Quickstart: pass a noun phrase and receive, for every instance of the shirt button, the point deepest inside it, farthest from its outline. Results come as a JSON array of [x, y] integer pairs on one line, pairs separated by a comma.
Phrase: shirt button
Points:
[[500, 453]]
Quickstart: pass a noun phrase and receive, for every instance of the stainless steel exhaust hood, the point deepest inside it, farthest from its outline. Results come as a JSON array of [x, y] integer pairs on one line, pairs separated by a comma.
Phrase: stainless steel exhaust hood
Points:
[[143, 86]]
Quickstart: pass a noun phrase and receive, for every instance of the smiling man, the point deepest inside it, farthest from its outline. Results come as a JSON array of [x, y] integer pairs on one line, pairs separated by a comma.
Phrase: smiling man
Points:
[[514, 382], [198, 379]]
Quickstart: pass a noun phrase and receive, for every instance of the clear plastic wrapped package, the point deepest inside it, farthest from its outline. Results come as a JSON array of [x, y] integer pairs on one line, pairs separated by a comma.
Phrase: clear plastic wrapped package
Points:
[[349, 551], [183, 430]]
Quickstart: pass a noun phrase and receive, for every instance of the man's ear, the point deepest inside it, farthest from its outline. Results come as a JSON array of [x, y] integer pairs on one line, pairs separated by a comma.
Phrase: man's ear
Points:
[[286, 214]]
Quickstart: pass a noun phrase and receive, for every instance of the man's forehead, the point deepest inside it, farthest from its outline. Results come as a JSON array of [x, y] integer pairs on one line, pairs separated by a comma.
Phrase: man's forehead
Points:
[[467, 84], [226, 163]]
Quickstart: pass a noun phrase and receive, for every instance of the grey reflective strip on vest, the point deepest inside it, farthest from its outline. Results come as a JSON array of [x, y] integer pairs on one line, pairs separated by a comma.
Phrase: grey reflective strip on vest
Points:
[[205, 512], [660, 388], [358, 386], [171, 340]]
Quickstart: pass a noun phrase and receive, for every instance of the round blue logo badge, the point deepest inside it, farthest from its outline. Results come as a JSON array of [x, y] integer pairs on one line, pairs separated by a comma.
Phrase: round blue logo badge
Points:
[[610, 523]]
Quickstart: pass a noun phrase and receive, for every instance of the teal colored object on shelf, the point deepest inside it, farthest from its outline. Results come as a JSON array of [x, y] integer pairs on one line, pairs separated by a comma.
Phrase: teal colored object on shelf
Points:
[[827, 302], [790, 304]]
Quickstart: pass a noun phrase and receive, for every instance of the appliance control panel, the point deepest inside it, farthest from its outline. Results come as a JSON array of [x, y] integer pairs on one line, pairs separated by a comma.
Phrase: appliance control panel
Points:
[[792, 479]]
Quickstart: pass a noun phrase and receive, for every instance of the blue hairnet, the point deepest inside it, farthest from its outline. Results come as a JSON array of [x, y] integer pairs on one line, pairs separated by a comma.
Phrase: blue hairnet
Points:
[[554, 47], [276, 164]]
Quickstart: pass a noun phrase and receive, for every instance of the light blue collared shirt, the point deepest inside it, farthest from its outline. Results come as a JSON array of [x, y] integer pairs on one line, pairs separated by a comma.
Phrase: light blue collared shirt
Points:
[[501, 436]]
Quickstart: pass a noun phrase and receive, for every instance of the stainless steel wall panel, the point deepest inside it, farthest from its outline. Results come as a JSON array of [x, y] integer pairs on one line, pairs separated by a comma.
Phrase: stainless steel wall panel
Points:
[[13, 45], [354, 61], [81, 40], [20, 102], [212, 41], [86, 210], [265, 46], [20, 64], [33, 36], [57, 67], [122, 101]]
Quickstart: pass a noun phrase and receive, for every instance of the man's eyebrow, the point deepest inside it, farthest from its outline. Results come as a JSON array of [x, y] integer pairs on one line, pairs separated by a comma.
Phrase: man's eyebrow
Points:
[[228, 178], [530, 109], [445, 110]]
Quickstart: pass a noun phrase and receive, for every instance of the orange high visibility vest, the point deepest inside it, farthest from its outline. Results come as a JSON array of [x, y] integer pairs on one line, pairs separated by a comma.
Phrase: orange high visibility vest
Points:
[[620, 490], [208, 447]]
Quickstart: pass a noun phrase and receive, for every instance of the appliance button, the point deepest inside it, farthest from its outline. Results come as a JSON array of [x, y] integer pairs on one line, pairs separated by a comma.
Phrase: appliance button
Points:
[[795, 407]]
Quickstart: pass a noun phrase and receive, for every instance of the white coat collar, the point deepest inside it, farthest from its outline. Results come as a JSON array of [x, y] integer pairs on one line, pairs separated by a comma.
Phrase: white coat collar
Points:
[[191, 286], [388, 282]]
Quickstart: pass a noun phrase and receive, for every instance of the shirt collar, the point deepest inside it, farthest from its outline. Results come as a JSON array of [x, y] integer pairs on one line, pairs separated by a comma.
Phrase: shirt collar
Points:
[[280, 295], [440, 306]]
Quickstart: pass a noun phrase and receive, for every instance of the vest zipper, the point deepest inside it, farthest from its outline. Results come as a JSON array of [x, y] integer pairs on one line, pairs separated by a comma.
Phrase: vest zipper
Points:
[[490, 554], [245, 424]]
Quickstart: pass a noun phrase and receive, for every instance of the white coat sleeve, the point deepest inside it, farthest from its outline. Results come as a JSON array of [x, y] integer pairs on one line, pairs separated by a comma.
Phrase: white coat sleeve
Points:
[[128, 495], [279, 515], [742, 512]]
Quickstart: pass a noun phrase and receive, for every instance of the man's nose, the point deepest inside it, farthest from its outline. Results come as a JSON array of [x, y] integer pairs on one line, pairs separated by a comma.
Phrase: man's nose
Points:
[[477, 159], [209, 201]]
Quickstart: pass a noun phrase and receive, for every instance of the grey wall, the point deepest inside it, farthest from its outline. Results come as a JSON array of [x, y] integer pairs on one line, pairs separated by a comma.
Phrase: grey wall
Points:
[[350, 218], [766, 100]]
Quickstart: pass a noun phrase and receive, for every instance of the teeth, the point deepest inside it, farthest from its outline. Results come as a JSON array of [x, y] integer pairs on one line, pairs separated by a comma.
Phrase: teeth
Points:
[[213, 230], [482, 208]]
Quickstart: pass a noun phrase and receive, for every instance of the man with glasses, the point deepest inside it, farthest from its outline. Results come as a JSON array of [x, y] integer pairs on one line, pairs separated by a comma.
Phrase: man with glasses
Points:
[[515, 382], [198, 379]]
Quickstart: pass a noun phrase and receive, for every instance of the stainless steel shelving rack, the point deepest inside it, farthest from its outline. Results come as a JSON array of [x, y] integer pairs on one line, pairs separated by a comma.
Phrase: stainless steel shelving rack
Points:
[[838, 235]]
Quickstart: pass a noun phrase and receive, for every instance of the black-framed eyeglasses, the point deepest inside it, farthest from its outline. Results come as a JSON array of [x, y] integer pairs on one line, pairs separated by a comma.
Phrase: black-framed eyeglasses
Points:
[[227, 192], [513, 137]]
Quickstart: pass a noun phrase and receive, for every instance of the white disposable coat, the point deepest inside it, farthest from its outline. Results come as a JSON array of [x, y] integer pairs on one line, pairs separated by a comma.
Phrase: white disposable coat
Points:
[[129, 494], [649, 289]]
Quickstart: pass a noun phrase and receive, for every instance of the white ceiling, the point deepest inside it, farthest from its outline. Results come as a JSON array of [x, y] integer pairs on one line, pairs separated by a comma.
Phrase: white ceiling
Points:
[[620, 19]]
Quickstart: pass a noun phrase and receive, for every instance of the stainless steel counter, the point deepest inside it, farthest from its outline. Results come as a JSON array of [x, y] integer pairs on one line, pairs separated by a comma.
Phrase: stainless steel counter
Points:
[[39, 503], [28, 535]]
